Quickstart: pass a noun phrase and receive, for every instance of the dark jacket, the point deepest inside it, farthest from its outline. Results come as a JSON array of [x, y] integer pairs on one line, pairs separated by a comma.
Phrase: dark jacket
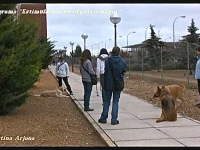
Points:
[[119, 68]]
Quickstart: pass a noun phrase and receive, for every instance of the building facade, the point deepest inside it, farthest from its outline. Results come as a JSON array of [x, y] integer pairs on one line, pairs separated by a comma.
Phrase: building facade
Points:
[[30, 11]]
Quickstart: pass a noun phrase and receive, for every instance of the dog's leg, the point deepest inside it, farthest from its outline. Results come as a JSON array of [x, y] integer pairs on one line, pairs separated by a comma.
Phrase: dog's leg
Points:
[[179, 101], [162, 118], [157, 103], [64, 96], [58, 93], [175, 117]]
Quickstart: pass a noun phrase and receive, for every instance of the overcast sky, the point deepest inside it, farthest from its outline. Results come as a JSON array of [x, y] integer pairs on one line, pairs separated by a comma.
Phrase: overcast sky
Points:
[[72, 20]]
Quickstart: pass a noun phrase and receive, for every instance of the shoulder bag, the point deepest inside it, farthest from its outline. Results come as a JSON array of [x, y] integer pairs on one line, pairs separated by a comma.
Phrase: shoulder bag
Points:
[[92, 77]]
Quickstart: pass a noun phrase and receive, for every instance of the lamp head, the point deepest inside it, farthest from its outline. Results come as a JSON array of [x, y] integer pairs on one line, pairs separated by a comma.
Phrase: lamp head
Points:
[[115, 19], [71, 43], [183, 16], [84, 36]]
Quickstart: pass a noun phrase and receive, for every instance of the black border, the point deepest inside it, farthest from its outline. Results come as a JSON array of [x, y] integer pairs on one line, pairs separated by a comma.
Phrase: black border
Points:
[[102, 1]]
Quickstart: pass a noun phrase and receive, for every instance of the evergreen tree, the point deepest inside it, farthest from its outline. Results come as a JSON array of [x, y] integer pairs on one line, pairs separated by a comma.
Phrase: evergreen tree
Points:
[[20, 61], [78, 51], [153, 46], [192, 38], [46, 46], [6, 7]]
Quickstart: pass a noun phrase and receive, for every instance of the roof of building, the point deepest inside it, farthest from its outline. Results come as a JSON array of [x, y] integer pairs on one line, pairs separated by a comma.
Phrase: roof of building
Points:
[[142, 45]]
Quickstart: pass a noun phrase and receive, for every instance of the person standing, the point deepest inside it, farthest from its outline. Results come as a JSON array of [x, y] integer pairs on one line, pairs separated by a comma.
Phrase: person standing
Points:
[[62, 73], [100, 69], [86, 64], [197, 75], [115, 68]]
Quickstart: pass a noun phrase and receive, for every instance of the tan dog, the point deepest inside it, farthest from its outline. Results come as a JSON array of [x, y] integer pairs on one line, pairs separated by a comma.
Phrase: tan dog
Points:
[[177, 91], [53, 93], [169, 112]]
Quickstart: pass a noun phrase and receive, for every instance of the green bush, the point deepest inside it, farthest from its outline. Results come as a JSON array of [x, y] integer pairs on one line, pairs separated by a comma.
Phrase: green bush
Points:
[[46, 46], [169, 65], [138, 67], [20, 62]]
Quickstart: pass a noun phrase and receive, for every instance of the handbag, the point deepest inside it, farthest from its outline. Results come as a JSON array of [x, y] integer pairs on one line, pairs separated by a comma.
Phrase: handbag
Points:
[[92, 77], [118, 85]]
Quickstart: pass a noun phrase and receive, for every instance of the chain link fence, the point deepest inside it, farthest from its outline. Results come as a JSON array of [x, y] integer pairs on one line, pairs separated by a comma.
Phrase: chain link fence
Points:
[[168, 72]]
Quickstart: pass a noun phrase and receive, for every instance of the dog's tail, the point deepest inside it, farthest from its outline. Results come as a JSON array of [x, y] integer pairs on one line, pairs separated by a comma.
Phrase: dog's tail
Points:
[[183, 87]]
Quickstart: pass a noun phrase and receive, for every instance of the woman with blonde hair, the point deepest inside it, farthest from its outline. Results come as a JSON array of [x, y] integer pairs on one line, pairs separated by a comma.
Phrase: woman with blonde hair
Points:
[[86, 64]]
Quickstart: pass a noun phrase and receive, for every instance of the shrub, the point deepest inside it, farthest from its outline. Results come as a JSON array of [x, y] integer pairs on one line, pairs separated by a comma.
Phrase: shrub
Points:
[[138, 67], [20, 62]]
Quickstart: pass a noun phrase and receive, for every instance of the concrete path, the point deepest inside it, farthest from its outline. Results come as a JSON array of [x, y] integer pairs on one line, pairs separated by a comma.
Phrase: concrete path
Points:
[[137, 118]]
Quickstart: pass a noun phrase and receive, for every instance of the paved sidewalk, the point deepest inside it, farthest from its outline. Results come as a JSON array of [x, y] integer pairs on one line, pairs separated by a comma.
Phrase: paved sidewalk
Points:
[[137, 118]]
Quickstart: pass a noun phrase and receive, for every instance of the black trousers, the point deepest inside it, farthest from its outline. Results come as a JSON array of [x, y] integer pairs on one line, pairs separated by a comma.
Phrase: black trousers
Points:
[[198, 83], [65, 79]]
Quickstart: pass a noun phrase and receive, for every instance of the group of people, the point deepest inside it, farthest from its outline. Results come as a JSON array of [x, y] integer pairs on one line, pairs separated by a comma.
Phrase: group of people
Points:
[[110, 69]]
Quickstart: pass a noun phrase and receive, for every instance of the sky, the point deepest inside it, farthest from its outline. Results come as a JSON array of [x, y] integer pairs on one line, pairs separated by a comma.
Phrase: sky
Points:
[[67, 22]]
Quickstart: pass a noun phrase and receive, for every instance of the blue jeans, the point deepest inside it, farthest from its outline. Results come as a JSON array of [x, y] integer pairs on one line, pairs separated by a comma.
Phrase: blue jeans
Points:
[[115, 105], [87, 93], [102, 87]]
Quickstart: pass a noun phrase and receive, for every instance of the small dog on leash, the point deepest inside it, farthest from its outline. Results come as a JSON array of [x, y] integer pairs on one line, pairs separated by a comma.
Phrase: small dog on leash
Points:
[[177, 91], [169, 112], [59, 92]]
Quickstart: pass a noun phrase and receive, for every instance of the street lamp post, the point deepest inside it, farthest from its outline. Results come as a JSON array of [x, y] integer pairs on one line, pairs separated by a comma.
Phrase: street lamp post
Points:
[[120, 36], [129, 53], [72, 43], [98, 47], [65, 48], [92, 48], [174, 35], [84, 36], [115, 19], [106, 41]]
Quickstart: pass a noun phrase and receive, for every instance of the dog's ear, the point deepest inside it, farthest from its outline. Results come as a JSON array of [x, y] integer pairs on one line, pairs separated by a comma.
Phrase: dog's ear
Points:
[[163, 87], [158, 88]]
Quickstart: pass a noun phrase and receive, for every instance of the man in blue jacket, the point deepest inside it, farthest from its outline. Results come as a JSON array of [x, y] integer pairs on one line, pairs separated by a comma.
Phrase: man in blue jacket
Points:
[[115, 68]]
